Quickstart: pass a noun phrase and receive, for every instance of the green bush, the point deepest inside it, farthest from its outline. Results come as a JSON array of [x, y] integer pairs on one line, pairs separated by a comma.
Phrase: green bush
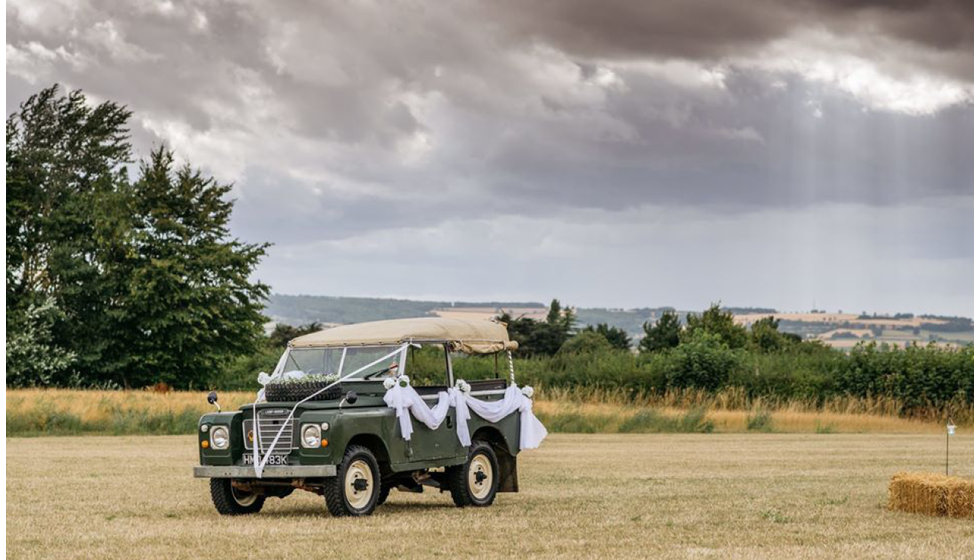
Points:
[[760, 421], [586, 342], [650, 421], [705, 362]]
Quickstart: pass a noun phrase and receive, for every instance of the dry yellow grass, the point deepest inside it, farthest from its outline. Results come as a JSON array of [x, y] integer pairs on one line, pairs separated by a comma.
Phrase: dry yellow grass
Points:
[[783, 420], [931, 494], [91, 406], [582, 496], [596, 412]]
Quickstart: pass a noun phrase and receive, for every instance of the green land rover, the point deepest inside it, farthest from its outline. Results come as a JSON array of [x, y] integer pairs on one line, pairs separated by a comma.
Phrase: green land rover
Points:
[[339, 417]]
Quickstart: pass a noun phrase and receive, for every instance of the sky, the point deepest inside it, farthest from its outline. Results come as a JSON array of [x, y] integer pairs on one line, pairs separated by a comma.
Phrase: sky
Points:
[[611, 154]]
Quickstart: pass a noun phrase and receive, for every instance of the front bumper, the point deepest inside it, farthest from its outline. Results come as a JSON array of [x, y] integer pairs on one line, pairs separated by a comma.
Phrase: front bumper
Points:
[[279, 471]]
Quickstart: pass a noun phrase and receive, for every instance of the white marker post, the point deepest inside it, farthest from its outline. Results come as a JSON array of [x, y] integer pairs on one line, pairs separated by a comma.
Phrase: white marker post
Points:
[[950, 430]]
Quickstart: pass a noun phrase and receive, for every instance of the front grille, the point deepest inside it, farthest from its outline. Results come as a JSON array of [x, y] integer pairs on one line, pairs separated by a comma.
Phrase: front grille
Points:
[[270, 421]]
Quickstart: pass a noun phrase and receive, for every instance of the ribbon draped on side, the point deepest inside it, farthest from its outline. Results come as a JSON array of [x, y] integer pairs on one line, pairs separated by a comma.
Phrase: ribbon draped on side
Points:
[[403, 399], [406, 400]]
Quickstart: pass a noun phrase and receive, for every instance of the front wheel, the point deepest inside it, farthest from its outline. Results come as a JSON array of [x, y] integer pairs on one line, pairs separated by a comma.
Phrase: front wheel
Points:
[[229, 500], [475, 482], [355, 489], [383, 494]]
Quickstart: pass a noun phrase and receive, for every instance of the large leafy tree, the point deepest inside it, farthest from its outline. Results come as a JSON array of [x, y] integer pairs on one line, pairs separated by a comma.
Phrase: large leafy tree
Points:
[[283, 333], [67, 223], [139, 281], [190, 303], [662, 335], [720, 322], [766, 336], [617, 337], [541, 338]]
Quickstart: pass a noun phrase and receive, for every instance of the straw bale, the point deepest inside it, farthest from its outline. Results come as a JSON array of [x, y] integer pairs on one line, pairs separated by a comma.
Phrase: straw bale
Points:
[[931, 494]]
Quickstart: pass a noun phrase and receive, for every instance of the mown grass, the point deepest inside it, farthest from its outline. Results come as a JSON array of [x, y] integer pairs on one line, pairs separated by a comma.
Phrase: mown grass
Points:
[[45, 412], [663, 496]]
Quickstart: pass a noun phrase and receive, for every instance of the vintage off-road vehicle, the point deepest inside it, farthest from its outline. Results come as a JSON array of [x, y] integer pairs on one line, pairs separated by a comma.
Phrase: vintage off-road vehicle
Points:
[[339, 417]]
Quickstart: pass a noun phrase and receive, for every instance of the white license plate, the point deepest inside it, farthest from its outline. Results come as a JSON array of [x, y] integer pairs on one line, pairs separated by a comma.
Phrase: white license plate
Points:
[[275, 459]]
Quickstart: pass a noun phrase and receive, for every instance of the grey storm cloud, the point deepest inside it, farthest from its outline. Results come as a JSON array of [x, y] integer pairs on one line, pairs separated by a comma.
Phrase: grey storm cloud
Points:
[[375, 125], [715, 31]]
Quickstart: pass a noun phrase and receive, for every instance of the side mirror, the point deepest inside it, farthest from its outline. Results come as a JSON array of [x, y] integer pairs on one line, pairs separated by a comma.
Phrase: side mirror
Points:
[[351, 397], [213, 399]]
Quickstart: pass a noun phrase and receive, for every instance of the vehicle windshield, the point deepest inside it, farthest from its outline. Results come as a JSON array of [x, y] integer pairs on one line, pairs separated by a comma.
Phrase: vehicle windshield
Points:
[[341, 361]]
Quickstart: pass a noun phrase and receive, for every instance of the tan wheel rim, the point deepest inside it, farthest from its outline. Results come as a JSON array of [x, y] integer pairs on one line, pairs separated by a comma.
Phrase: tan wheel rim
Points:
[[480, 477], [358, 484], [243, 498]]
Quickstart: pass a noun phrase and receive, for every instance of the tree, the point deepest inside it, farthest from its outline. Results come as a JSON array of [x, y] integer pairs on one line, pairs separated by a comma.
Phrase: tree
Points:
[[586, 342], [766, 336], [147, 283], [536, 338], [663, 335], [67, 221], [618, 338], [714, 320], [32, 359], [703, 361], [190, 304], [283, 333]]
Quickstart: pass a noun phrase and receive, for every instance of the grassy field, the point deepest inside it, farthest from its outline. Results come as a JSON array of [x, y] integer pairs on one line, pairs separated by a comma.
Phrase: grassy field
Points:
[[33, 412], [583, 496]]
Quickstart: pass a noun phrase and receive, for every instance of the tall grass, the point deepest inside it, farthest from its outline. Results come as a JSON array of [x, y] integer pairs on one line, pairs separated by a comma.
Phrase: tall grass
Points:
[[75, 412], [35, 412]]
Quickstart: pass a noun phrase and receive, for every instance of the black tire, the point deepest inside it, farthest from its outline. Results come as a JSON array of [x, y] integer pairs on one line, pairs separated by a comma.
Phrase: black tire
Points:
[[383, 494], [460, 477], [339, 500], [230, 501]]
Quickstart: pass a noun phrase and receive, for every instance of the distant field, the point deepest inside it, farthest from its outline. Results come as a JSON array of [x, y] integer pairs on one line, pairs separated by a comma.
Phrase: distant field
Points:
[[582, 496], [749, 318], [35, 412]]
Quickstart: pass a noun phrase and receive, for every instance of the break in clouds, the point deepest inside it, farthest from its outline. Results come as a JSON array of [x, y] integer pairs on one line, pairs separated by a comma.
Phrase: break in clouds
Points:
[[611, 154]]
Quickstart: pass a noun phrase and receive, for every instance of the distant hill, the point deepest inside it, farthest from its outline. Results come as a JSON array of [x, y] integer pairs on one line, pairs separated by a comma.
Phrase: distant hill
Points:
[[298, 310], [303, 309]]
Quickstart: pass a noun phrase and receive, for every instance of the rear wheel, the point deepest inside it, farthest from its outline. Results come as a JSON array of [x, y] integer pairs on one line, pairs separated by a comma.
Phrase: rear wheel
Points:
[[475, 482], [229, 500], [355, 489]]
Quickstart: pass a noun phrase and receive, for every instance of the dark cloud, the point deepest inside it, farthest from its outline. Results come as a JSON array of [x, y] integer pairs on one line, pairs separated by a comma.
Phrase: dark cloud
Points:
[[364, 127], [713, 31]]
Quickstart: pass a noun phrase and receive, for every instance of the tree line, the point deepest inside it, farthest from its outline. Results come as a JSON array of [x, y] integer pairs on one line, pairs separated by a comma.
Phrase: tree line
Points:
[[559, 333], [712, 352]]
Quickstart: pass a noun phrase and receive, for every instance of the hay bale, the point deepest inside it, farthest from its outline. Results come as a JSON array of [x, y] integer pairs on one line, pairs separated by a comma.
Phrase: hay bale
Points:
[[931, 494]]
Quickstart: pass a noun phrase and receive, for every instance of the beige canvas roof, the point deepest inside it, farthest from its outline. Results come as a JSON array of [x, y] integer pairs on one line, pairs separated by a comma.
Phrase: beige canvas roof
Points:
[[474, 336]]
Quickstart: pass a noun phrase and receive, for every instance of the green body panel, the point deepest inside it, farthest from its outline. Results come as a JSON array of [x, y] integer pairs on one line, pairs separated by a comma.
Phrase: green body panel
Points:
[[369, 419]]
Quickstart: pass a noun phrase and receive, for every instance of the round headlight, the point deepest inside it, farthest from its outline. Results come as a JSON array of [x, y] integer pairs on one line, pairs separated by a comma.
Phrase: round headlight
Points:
[[219, 437], [311, 435]]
